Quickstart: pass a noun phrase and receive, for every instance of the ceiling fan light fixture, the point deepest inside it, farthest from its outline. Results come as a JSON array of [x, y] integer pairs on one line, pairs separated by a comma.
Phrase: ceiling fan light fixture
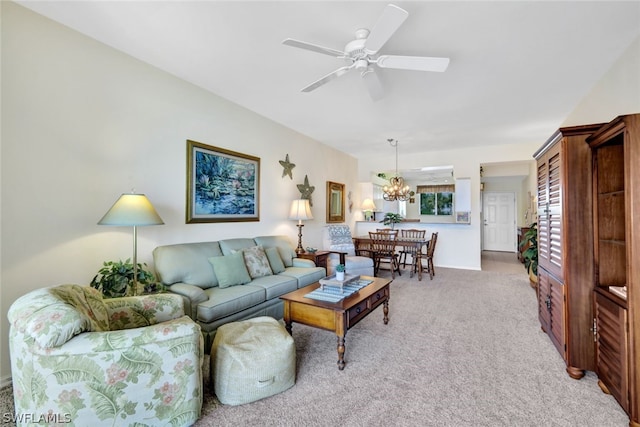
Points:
[[396, 190], [362, 52]]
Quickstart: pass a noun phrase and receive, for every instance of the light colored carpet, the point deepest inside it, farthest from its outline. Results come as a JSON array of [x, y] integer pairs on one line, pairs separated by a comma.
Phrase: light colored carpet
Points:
[[463, 349]]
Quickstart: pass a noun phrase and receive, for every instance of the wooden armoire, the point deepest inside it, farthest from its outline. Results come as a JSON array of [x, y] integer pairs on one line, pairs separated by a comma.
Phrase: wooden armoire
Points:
[[616, 242], [565, 245]]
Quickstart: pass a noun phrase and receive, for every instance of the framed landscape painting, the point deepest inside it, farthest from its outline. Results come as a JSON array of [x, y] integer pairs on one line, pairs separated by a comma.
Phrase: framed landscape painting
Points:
[[222, 185]]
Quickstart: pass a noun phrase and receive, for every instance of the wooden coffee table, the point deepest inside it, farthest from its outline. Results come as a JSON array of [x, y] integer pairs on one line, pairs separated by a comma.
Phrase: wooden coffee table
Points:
[[336, 317]]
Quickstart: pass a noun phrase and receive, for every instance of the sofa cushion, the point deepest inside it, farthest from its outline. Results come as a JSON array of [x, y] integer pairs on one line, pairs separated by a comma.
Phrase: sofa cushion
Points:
[[230, 245], [256, 261], [46, 319], [276, 284], [285, 248], [277, 266], [187, 263], [354, 264], [224, 302], [305, 275], [230, 270]]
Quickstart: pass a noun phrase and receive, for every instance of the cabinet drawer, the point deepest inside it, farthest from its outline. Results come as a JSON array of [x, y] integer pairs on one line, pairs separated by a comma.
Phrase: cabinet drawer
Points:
[[378, 298], [357, 312]]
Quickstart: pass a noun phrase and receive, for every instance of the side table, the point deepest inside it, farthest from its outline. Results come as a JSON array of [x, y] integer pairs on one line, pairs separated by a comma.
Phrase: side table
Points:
[[319, 257]]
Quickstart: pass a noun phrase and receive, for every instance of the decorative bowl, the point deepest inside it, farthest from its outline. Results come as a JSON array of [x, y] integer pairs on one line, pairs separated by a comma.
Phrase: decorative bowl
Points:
[[311, 250]]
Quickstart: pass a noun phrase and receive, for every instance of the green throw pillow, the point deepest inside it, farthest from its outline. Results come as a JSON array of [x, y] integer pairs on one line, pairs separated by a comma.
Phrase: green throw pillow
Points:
[[230, 270], [277, 266]]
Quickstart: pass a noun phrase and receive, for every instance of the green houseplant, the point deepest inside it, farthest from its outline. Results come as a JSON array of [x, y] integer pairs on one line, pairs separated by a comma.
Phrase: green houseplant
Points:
[[391, 219], [115, 278], [340, 272], [530, 254]]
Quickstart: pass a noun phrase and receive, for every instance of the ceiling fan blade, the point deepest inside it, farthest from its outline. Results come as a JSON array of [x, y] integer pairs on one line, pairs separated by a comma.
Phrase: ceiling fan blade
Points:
[[326, 79], [314, 48], [390, 20], [418, 63], [372, 82]]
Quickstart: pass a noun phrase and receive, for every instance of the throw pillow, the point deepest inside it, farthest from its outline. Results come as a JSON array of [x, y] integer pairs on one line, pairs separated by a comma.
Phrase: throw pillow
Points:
[[256, 261], [230, 270], [277, 266]]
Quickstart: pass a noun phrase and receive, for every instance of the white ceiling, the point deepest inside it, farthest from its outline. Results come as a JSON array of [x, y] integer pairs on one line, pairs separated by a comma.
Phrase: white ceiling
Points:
[[517, 68]]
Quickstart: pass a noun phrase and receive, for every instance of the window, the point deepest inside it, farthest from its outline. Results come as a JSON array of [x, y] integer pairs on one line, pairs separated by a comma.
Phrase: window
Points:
[[436, 199]]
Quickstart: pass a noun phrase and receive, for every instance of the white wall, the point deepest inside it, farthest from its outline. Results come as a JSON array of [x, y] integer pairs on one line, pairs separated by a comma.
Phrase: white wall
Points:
[[83, 123], [617, 92]]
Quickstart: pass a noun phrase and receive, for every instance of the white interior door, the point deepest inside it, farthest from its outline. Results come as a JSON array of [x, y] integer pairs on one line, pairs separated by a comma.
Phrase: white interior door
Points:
[[499, 221]]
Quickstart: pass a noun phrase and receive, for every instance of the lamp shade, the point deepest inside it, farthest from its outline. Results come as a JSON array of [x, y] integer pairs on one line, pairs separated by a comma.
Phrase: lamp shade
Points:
[[368, 205], [131, 210], [300, 210]]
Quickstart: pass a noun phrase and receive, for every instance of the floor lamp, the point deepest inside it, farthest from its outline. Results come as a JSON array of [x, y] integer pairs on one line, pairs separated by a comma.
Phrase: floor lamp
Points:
[[132, 210], [301, 211]]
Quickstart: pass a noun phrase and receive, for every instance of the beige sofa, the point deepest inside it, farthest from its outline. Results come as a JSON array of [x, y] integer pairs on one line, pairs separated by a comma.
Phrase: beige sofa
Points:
[[226, 281]]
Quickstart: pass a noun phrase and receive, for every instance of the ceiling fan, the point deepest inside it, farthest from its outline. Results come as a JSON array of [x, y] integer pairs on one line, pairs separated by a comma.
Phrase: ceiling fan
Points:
[[362, 53]]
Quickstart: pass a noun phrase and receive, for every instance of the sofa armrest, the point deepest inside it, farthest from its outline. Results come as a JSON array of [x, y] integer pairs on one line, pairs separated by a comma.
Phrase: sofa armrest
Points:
[[96, 343], [145, 310], [192, 296], [305, 263]]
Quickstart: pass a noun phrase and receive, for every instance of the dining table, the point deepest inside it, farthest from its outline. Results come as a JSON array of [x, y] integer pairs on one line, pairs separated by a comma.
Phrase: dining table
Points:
[[363, 243]]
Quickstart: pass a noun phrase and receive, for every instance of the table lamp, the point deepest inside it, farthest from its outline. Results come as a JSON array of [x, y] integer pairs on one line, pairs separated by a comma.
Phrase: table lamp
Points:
[[368, 207], [132, 210], [300, 210]]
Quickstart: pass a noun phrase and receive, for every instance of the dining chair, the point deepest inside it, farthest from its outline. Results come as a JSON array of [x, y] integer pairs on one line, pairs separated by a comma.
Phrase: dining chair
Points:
[[430, 250], [412, 249], [383, 247]]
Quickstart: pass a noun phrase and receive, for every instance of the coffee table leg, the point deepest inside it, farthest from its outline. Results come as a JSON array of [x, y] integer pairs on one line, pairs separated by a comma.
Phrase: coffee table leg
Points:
[[340, 352], [287, 326], [385, 311]]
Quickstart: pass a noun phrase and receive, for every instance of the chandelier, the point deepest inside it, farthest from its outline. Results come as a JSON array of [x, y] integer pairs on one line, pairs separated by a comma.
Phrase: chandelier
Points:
[[396, 190]]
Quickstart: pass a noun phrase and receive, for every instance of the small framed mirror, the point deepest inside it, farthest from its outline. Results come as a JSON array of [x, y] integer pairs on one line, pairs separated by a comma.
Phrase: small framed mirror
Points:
[[335, 202]]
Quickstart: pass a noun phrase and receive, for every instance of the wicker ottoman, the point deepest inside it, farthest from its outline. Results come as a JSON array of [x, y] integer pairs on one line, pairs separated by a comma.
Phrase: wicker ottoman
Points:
[[251, 360]]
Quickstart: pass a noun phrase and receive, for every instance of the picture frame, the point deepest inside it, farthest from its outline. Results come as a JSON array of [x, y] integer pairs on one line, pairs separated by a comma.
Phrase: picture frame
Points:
[[335, 202], [463, 217], [222, 185]]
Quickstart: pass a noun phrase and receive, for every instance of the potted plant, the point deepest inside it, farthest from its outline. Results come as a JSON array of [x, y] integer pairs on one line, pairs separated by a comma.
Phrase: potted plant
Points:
[[340, 272], [530, 254], [392, 219], [114, 279]]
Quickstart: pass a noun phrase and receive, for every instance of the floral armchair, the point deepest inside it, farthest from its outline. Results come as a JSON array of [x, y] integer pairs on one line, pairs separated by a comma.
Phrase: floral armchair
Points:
[[80, 360]]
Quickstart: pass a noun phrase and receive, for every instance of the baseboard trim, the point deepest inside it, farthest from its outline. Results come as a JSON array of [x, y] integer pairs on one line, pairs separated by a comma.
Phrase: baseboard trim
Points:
[[457, 267]]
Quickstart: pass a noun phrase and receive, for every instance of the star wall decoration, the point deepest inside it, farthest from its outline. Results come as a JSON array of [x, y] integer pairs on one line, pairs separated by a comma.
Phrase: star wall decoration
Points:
[[306, 190], [287, 167]]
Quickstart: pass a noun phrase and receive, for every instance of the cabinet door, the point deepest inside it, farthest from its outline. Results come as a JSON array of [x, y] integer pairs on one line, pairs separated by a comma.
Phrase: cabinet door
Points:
[[544, 303], [550, 210], [551, 309], [542, 208], [555, 215], [611, 349]]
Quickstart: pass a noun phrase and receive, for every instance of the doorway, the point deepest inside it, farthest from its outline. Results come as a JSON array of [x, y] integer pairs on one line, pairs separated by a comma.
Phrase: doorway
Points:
[[499, 228]]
